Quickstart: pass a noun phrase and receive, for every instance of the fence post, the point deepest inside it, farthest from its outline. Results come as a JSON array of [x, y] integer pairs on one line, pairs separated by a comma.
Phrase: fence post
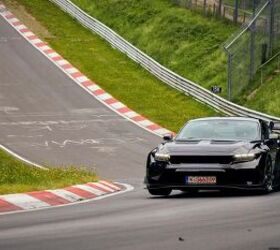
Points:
[[229, 76], [220, 8], [214, 10], [190, 4], [235, 16], [253, 42], [271, 27], [204, 7]]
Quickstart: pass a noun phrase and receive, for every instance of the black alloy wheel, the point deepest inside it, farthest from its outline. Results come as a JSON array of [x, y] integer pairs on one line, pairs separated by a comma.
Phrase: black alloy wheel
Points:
[[268, 177]]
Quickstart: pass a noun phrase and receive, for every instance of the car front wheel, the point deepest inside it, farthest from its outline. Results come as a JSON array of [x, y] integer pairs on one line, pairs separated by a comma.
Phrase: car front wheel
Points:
[[268, 177]]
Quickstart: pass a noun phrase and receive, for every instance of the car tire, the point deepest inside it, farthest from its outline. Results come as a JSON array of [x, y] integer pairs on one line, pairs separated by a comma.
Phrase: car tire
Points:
[[160, 191], [268, 177]]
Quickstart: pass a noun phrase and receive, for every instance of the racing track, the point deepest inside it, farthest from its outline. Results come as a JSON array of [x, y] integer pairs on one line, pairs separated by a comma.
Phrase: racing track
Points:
[[47, 118]]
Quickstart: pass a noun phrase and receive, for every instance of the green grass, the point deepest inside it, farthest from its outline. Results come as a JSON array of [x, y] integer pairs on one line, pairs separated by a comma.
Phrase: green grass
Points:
[[114, 71], [266, 97], [18, 177], [184, 41]]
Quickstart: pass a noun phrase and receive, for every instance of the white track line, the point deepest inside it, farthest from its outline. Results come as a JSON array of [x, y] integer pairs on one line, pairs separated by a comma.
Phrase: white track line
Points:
[[22, 158]]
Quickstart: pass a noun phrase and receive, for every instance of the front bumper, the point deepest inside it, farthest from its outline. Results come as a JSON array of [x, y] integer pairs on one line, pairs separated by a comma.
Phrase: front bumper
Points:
[[174, 176]]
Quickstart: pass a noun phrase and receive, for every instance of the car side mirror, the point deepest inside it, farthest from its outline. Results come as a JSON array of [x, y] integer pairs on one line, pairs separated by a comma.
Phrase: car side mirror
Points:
[[273, 136], [168, 137]]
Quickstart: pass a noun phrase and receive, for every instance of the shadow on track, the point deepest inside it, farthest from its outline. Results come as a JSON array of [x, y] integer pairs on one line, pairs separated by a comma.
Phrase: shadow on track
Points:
[[213, 194]]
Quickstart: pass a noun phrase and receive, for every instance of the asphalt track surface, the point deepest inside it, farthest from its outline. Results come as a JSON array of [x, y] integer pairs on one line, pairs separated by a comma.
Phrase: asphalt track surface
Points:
[[47, 118]]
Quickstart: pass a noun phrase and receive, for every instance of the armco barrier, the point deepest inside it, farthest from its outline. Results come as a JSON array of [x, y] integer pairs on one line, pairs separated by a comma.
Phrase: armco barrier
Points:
[[161, 72]]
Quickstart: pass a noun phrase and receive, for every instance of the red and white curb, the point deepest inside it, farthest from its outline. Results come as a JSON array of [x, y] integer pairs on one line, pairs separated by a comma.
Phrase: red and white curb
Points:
[[60, 197], [79, 78]]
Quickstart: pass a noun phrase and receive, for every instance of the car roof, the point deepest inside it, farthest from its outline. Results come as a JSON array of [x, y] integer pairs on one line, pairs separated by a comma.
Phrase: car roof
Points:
[[237, 118]]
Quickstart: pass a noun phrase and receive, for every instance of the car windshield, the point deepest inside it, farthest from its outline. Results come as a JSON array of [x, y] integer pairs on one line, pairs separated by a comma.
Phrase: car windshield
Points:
[[220, 130]]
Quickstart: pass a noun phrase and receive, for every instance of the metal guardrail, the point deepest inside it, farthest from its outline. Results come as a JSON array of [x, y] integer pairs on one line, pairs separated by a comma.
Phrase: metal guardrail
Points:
[[167, 76]]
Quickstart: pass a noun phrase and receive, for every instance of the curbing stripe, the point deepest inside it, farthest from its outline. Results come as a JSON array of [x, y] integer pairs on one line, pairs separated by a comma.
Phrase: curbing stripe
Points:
[[71, 71], [58, 197], [101, 187], [131, 114], [24, 201], [90, 189], [71, 197], [105, 96], [81, 192], [111, 185], [7, 207], [93, 87], [48, 197], [124, 189]]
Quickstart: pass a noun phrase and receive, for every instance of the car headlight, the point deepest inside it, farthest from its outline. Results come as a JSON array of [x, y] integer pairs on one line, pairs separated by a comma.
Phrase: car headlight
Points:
[[245, 157], [162, 157]]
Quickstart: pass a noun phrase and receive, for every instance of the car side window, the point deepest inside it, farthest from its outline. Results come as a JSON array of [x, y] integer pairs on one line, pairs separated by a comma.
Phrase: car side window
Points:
[[265, 131]]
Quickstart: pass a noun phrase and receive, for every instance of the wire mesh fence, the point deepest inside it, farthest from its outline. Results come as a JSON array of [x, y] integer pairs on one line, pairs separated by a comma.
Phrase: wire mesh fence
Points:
[[251, 47], [269, 69], [238, 11], [257, 42]]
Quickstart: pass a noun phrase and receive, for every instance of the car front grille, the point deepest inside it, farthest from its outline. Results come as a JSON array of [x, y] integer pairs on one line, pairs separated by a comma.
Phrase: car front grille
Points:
[[201, 159], [230, 177]]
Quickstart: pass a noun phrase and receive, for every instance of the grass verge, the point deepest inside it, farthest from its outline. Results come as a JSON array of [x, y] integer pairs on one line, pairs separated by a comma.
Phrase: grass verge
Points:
[[112, 70], [266, 97], [18, 177]]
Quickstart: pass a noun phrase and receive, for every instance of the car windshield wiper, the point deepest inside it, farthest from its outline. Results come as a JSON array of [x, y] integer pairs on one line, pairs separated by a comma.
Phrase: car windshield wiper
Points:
[[225, 140], [256, 141], [188, 140]]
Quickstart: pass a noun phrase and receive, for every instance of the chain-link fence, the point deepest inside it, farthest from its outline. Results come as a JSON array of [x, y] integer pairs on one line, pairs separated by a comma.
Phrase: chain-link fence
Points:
[[249, 49], [238, 11]]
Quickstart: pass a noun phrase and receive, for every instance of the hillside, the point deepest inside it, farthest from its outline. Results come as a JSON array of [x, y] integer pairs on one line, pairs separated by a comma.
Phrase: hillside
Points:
[[180, 39], [184, 41], [266, 97]]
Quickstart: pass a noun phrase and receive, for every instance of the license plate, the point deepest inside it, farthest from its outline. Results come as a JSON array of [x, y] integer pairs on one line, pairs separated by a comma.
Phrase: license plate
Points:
[[201, 180]]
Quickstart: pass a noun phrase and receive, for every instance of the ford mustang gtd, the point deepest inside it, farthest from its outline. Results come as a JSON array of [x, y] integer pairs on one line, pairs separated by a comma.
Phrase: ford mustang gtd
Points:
[[216, 153]]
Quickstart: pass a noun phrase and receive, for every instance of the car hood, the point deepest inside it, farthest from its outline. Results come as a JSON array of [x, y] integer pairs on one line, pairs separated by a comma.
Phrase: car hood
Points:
[[207, 147]]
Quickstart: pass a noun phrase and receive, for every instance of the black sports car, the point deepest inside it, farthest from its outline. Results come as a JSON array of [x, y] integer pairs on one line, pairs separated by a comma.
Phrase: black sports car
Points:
[[216, 153]]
